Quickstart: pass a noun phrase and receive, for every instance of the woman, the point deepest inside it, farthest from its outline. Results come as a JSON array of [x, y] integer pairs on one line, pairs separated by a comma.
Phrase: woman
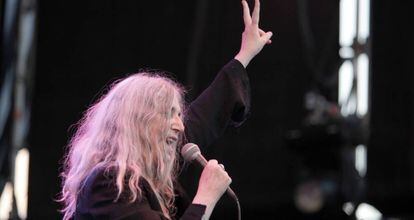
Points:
[[122, 161]]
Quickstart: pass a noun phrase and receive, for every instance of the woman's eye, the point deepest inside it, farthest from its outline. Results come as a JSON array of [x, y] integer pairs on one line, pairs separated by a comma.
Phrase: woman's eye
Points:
[[167, 114]]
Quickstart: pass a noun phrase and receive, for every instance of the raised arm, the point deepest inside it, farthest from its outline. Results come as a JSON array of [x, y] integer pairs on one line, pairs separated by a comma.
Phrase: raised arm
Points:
[[226, 102]]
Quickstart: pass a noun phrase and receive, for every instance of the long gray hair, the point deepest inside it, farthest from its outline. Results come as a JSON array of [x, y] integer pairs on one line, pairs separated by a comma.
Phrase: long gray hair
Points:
[[126, 130]]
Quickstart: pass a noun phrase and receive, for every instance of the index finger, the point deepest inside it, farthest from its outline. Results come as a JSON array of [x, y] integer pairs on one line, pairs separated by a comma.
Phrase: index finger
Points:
[[246, 13], [256, 12]]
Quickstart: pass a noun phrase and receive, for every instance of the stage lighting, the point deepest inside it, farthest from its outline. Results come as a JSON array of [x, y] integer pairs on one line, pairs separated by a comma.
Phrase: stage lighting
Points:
[[367, 212], [313, 195]]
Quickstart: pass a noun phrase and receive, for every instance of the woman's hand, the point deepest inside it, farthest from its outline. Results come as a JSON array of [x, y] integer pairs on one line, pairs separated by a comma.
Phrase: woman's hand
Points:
[[253, 38], [213, 183]]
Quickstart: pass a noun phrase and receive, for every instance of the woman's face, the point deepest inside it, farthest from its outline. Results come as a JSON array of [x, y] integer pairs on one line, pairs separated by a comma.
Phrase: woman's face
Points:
[[176, 126]]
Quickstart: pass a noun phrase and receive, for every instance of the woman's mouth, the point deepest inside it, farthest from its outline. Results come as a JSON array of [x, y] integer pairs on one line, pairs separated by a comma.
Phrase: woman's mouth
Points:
[[171, 140]]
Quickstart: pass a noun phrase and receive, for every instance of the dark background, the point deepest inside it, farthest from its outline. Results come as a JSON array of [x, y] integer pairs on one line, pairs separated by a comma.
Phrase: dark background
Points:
[[84, 45]]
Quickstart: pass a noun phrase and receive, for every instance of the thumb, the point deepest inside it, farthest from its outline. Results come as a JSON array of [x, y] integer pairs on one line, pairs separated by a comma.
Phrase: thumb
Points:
[[266, 37]]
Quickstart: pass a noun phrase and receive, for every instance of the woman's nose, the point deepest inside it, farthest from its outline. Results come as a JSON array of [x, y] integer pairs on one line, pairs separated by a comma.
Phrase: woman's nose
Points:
[[178, 124]]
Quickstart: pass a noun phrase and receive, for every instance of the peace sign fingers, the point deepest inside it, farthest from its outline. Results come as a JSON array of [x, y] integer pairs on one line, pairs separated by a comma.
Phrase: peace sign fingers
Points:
[[255, 17], [253, 38]]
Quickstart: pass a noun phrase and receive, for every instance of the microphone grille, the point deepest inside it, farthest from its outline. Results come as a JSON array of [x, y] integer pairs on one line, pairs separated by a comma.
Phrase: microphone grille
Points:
[[190, 151]]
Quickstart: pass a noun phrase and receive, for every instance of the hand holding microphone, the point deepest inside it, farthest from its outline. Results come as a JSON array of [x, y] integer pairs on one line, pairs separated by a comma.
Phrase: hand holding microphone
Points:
[[214, 179], [213, 183]]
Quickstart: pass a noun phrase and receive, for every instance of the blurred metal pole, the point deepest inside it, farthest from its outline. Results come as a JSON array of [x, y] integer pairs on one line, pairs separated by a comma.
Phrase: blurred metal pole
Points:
[[354, 92], [18, 59], [8, 68]]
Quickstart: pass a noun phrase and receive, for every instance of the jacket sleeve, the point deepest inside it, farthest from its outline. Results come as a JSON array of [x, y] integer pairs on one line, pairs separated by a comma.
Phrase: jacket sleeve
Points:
[[96, 201], [226, 102], [193, 212]]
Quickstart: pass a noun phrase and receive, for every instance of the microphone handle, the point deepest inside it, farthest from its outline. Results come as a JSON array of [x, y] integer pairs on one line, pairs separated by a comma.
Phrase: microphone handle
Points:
[[201, 160]]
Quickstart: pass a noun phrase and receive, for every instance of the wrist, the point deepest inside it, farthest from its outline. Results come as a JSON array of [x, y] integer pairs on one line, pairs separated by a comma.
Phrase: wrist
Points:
[[243, 59], [204, 200], [208, 201]]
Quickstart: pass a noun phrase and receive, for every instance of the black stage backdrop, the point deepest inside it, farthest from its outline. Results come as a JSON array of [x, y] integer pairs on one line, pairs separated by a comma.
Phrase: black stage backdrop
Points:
[[84, 45], [391, 153]]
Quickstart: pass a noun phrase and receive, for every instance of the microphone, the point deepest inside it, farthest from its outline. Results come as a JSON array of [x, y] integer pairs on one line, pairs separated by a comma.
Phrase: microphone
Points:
[[191, 152]]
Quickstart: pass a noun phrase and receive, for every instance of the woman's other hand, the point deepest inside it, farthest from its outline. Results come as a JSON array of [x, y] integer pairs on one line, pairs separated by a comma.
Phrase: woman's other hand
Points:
[[253, 38]]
